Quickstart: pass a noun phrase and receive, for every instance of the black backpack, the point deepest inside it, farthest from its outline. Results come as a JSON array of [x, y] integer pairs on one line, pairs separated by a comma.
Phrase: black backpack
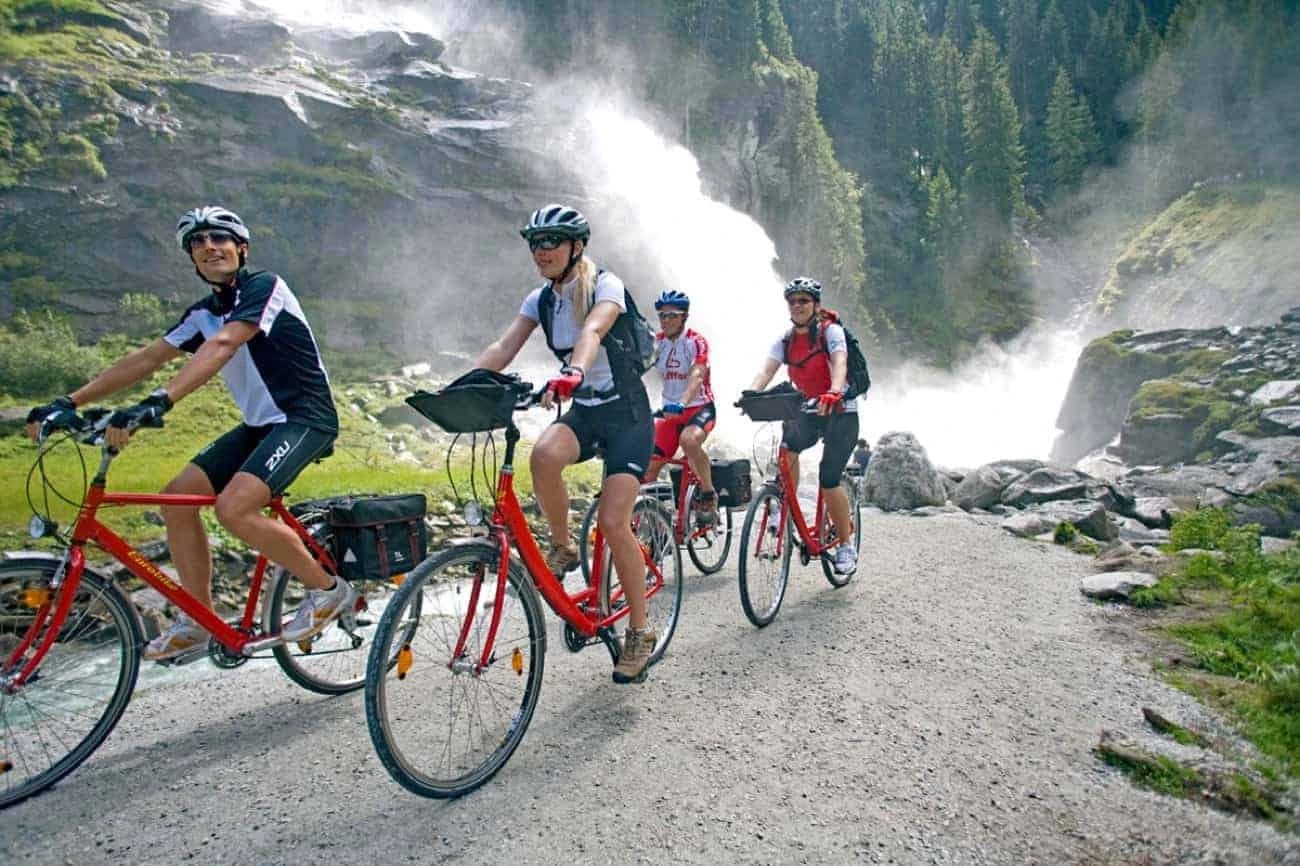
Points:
[[859, 379], [630, 343]]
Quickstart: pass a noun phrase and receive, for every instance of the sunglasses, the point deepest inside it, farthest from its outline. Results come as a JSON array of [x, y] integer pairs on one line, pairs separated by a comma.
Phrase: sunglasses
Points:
[[217, 236], [670, 315], [545, 242]]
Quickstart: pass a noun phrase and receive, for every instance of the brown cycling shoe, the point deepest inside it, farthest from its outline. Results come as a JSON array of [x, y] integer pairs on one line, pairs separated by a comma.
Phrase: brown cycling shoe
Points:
[[634, 660], [562, 559]]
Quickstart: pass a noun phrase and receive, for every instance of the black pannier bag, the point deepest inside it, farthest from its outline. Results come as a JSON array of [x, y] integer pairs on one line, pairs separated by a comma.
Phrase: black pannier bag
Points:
[[376, 537], [731, 479]]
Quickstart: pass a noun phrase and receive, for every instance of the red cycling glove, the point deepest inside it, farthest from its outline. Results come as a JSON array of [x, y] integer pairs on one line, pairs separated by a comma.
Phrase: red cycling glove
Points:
[[828, 401], [563, 385]]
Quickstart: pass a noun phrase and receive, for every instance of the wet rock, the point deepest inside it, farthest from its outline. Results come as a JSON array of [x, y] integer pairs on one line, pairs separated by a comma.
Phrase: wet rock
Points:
[[900, 475], [1115, 584], [194, 29], [375, 50], [982, 487]]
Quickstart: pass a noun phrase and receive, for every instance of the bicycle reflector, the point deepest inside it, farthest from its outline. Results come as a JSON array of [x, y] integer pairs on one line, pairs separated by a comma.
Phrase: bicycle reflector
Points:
[[404, 660], [517, 661], [35, 596]]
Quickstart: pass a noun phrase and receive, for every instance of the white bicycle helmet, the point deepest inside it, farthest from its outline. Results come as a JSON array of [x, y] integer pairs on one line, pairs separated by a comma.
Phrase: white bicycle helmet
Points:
[[210, 217], [557, 219], [805, 285]]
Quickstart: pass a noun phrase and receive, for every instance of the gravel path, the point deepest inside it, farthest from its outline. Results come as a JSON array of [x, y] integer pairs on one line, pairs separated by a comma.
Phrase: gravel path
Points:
[[942, 708]]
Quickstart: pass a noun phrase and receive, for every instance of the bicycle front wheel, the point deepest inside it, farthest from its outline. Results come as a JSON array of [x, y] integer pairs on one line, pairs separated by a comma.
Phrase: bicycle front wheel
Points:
[[708, 546], [332, 662], [765, 548], [73, 700], [441, 725], [836, 579], [653, 526]]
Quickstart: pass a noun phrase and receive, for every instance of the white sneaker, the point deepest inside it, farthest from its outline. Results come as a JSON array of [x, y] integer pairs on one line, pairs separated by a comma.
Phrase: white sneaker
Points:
[[183, 634], [846, 559], [319, 609]]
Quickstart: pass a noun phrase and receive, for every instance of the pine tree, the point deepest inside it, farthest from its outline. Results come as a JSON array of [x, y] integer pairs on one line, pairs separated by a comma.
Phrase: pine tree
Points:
[[1070, 135], [995, 169]]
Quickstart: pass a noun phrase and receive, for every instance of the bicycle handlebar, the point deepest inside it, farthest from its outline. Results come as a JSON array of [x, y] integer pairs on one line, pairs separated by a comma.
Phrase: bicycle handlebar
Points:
[[88, 426]]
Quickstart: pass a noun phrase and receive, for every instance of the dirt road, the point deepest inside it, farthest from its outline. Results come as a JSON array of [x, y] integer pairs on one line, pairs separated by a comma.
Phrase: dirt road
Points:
[[942, 709]]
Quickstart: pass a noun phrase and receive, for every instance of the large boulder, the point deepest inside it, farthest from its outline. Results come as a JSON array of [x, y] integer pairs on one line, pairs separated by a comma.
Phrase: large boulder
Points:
[[195, 29], [1115, 584], [900, 475], [1044, 485], [1281, 419]]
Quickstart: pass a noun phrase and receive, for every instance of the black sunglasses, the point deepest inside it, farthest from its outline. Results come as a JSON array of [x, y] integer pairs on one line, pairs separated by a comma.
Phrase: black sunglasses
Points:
[[545, 242], [217, 236]]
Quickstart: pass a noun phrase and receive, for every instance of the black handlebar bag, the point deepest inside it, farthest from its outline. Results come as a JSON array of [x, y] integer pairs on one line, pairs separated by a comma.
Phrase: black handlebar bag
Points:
[[479, 401], [376, 537]]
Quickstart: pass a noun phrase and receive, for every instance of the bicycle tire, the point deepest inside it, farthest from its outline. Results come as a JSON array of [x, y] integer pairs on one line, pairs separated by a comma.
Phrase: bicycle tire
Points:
[[833, 577], [707, 558], [653, 525], [768, 503], [407, 705], [100, 621], [330, 664], [584, 539]]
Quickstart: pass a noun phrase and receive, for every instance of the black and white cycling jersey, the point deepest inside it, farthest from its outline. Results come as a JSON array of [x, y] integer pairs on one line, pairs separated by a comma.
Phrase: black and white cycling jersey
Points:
[[276, 376]]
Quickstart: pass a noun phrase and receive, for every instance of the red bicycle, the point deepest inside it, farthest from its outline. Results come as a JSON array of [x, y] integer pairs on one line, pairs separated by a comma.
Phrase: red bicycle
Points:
[[70, 640], [451, 712], [707, 545], [775, 524]]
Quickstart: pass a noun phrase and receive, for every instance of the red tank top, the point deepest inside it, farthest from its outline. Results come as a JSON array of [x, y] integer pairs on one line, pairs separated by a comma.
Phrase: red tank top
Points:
[[807, 363]]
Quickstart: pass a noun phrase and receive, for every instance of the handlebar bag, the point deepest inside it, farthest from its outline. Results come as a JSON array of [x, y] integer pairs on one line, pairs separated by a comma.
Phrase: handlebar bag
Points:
[[782, 403], [479, 401], [376, 537]]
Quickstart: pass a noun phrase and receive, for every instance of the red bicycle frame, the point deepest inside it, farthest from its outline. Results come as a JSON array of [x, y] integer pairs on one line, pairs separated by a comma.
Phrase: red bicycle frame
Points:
[[681, 520], [509, 524], [815, 545], [88, 529]]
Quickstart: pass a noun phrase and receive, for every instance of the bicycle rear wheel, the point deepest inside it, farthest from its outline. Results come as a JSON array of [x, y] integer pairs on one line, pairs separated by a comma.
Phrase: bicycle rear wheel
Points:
[[765, 549], [73, 700], [332, 662], [836, 579], [441, 728], [708, 546], [653, 526]]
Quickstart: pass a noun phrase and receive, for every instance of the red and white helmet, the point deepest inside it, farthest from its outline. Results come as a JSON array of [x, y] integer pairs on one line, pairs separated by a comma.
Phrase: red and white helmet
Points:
[[210, 217]]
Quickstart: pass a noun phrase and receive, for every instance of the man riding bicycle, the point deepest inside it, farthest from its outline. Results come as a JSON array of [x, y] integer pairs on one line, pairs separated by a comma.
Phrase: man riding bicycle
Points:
[[682, 358], [815, 353], [251, 329]]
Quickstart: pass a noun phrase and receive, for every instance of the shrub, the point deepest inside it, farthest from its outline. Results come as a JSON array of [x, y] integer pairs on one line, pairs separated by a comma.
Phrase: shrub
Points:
[[1203, 528], [39, 356]]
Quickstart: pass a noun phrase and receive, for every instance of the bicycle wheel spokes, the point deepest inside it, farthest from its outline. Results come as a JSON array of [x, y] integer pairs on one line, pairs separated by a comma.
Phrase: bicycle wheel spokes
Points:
[[708, 546], [765, 549], [71, 701], [442, 725]]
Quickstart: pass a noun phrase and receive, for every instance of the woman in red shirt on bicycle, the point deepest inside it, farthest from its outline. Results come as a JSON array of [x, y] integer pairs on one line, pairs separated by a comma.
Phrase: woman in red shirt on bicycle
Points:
[[613, 415], [815, 353]]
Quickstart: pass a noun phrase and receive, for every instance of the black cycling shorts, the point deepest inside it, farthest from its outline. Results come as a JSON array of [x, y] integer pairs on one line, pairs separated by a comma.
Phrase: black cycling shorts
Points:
[[624, 429], [839, 435], [275, 453]]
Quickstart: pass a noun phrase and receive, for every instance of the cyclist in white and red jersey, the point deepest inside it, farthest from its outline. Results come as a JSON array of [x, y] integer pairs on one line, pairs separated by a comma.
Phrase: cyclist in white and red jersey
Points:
[[688, 414]]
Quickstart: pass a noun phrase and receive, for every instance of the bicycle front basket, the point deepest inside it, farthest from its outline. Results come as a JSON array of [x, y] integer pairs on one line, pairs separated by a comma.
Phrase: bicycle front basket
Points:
[[781, 403], [475, 403]]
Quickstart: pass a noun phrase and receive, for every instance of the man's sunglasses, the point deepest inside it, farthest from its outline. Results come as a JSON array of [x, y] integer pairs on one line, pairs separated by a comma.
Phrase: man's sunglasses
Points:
[[669, 314], [545, 242], [217, 236]]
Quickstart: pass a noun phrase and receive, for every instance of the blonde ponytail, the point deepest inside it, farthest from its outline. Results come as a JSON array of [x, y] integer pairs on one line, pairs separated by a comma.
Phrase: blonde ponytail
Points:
[[584, 289]]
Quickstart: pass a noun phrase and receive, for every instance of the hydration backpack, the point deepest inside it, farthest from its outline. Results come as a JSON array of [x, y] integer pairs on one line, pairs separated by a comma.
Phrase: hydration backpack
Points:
[[858, 378], [629, 343]]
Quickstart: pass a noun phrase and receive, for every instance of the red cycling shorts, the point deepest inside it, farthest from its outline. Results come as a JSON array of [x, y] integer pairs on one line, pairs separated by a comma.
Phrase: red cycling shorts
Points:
[[668, 430]]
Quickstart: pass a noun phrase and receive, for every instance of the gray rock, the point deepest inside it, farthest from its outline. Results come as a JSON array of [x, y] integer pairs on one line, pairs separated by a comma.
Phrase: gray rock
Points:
[[195, 29], [374, 50], [1134, 530], [1115, 584], [1088, 517], [1279, 521], [900, 476], [1271, 392], [1281, 419], [1045, 485], [983, 486], [1155, 511], [1270, 545]]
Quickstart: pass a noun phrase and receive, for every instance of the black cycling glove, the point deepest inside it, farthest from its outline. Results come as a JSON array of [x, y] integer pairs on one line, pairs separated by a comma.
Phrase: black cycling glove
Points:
[[58, 412], [147, 413]]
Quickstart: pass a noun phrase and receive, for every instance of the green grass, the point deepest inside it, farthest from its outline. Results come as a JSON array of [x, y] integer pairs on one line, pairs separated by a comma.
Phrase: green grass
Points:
[[1243, 628], [1161, 774]]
